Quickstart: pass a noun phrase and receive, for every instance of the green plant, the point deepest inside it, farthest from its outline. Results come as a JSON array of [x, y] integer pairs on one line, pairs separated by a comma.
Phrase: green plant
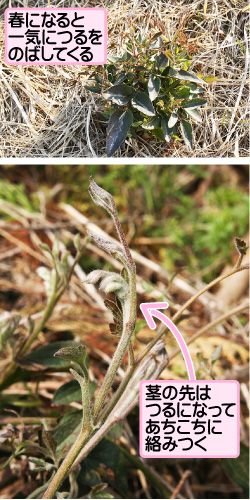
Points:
[[101, 413], [148, 91], [55, 281]]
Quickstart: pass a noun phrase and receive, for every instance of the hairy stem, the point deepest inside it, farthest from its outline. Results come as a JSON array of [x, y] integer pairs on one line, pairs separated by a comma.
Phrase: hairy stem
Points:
[[128, 329], [67, 463], [131, 355], [162, 332]]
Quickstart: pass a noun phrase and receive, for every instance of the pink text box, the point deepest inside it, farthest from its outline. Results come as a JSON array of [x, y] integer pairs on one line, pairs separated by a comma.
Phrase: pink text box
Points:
[[72, 36], [196, 419]]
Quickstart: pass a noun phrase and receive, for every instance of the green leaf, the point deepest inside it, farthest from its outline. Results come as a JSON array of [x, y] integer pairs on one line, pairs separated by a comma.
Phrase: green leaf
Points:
[[216, 354], [45, 355], [194, 113], [189, 77], [109, 454], [67, 393], [68, 429], [181, 93], [154, 84], [119, 94], [172, 120], [118, 126], [186, 130], [75, 354], [120, 78], [97, 491], [152, 123], [169, 72], [195, 90], [237, 469], [167, 132], [193, 103], [161, 61], [95, 89], [49, 442], [142, 102], [141, 68], [158, 133], [41, 465], [114, 59]]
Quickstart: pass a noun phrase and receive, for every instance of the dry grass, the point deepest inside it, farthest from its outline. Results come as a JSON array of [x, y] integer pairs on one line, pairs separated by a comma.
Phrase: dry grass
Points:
[[46, 112]]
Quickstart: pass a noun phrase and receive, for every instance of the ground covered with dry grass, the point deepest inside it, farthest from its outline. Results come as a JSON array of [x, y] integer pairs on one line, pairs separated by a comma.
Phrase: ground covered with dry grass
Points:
[[179, 223], [46, 111]]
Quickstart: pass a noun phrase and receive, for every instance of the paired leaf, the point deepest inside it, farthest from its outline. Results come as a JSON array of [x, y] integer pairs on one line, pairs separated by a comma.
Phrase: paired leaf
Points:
[[142, 102], [95, 89], [186, 130], [68, 429], [161, 61], [195, 90], [98, 491], [169, 71], [167, 131], [172, 120], [118, 126], [41, 465], [50, 443], [75, 354], [181, 93], [154, 84], [114, 59], [119, 94], [121, 77], [194, 113], [113, 248], [109, 282], [189, 77], [193, 103], [67, 393], [108, 453], [152, 123], [45, 355]]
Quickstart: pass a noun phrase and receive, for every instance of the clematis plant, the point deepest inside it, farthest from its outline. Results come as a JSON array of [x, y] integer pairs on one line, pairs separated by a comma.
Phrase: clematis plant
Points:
[[98, 417]]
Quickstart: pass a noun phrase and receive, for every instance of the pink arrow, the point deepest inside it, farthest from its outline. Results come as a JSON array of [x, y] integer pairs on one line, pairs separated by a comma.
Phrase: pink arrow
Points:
[[150, 309]]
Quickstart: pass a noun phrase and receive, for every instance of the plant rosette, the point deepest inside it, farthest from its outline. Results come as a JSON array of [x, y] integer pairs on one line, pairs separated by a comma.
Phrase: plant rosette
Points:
[[145, 93]]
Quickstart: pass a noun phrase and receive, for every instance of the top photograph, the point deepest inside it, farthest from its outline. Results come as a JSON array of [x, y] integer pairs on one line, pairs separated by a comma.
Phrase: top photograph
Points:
[[124, 79]]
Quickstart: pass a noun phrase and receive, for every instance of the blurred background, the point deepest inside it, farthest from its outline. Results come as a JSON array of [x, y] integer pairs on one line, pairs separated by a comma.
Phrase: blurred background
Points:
[[181, 222]]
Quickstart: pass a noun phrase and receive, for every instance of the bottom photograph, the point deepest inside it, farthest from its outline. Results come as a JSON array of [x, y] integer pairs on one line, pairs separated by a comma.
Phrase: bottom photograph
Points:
[[124, 315]]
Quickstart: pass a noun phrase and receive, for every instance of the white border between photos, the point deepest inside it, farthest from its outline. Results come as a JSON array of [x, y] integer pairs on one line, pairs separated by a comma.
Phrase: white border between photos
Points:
[[125, 161]]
